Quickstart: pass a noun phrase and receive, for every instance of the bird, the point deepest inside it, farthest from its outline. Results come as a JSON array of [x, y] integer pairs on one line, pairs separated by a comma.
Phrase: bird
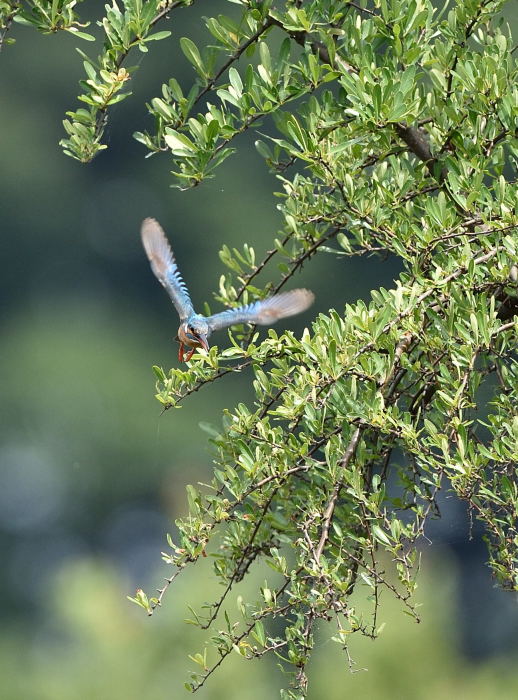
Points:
[[195, 329]]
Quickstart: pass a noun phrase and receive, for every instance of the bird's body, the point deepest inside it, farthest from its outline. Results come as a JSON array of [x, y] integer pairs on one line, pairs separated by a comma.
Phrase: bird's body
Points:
[[193, 333], [195, 329]]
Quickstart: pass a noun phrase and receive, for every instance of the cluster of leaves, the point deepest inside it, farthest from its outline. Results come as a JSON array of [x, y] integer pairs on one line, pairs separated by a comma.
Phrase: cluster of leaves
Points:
[[124, 29], [401, 132], [392, 128], [46, 17]]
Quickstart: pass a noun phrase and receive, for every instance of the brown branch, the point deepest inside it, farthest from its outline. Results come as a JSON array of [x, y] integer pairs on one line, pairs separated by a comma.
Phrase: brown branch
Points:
[[471, 234], [469, 30], [350, 3], [416, 142], [401, 347], [328, 514], [162, 591], [269, 255], [235, 640], [298, 467], [7, 23], [379, 578], [505, 327], [299, 262], [269, 22], [237, 570]]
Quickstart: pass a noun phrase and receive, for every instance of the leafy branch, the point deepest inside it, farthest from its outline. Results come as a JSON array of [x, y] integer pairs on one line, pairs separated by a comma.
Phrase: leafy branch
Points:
[[391, 129]]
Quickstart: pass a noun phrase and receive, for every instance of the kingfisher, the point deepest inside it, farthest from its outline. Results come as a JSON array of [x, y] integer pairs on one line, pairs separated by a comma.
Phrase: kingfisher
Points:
[[195, 329]]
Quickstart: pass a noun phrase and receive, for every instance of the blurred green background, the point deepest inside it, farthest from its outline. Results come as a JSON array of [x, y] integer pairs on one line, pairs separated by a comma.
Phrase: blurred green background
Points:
[[93, 476]]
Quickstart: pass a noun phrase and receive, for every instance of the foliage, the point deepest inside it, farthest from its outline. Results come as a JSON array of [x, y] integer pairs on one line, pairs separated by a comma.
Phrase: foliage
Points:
[[88, 624], [46, 17], [393, 130]]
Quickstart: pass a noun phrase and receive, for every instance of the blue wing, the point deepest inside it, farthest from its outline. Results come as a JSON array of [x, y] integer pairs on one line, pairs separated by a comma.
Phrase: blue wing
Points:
[[265, 312], [164, 266]]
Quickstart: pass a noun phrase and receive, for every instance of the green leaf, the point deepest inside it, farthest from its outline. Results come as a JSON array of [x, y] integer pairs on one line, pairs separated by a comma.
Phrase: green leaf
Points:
[[79, 34], [191, 52], [179, 143], [380, 535], [157, 36], [235, 80]]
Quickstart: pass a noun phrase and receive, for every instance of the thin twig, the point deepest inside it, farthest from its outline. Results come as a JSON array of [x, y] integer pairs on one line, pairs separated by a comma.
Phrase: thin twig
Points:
[[328, 514]]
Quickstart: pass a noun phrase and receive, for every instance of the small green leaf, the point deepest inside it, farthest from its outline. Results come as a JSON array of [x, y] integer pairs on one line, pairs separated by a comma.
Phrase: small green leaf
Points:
[[81, 35], [179, 143], [157, 36], [380, 535], [192, 54]]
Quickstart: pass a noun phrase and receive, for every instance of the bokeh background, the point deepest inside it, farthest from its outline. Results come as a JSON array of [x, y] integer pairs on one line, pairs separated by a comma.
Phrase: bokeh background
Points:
[[92, 475]]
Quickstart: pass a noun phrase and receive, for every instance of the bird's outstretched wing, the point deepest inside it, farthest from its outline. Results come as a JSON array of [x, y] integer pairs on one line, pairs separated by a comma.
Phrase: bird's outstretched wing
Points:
[[264, 312], [164, 266]]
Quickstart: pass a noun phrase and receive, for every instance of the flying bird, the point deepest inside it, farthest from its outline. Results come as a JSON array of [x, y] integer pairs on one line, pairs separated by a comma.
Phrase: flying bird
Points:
[[195, 329]]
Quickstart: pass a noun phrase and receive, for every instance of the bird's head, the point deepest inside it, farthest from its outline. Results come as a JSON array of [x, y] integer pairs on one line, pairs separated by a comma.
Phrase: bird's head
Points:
[[195, 331]]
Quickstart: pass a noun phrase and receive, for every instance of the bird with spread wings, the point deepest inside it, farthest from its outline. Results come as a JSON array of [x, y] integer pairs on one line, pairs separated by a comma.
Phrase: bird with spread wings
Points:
[[195, 329]]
